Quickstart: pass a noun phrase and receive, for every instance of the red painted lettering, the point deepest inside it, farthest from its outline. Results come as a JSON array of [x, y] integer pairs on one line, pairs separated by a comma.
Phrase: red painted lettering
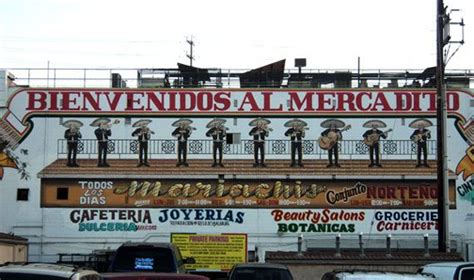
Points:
[[295, 101], [36, 100]]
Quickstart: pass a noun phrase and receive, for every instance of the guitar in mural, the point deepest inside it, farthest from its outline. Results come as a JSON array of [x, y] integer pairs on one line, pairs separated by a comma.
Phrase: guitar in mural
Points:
[[419, 137], [327, 142], [374, 138]]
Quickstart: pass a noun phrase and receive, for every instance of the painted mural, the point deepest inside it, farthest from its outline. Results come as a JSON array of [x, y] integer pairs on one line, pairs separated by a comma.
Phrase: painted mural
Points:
[[140, 164]]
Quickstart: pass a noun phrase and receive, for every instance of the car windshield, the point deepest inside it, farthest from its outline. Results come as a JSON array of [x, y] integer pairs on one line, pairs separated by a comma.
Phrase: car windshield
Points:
[[144, 259], [261, 274]]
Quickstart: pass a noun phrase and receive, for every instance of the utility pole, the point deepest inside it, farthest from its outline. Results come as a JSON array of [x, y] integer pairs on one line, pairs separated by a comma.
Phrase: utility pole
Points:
[[190, 55], [441, 116], [443, 37]]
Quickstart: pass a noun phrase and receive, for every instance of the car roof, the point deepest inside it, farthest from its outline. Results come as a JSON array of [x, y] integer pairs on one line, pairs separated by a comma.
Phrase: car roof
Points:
[[151, 276], [148, 244], [45, 269], [383, 275], [261, 265], [449, 264]]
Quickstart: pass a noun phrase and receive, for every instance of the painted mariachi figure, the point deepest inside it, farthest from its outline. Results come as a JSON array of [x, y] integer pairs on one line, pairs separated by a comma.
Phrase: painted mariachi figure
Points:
[[330, 138], [72, 135], [372, 138], [420, 136], [182, 133], [143, 134], [217, 131], [259, 132], [296, 132], [102, 133]]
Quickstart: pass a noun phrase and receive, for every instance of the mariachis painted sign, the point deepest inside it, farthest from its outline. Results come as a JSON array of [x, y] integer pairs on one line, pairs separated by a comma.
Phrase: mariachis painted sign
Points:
[[121, 193]]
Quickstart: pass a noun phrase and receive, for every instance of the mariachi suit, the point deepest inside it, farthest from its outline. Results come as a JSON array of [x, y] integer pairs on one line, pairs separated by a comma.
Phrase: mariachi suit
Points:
[[335, 148], [296, 145], [421, 145], [259, 144], [218, 136], [102, 136], [375, 148], [143, 137], [72, 141], [182, 135]]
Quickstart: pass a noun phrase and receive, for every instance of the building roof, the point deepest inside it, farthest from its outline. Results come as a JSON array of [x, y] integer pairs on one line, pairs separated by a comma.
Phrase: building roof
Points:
[[11, 238]]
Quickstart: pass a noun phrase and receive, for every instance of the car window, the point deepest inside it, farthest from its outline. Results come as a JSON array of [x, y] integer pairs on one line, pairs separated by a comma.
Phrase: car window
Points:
[[467, 274], [28, 276], [90, 277], [261, 274], [144, 259]]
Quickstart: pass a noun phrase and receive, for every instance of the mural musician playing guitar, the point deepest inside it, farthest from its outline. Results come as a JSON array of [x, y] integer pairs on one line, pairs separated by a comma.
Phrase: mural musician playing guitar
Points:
[[330, 137], [420, 136], [372, 138]]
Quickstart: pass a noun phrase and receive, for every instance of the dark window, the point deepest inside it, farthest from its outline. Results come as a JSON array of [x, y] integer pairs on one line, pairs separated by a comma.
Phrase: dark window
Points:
[[144, 259], [260, 273], [467, 274], [22, 194], [91, 277], [62, 194]]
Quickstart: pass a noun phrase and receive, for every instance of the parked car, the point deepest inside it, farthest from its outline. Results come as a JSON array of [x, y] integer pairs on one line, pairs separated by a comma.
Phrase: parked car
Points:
[[374, 275], [44, 271], [150, 276], [264, 271], [150, 257], [450, 270]]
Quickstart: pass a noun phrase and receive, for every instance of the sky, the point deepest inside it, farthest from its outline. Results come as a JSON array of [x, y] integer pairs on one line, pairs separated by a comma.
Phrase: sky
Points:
[[244, 34]]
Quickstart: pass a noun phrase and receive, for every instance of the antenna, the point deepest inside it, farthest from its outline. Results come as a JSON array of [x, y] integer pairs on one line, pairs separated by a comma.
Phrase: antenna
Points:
[[190, 55]]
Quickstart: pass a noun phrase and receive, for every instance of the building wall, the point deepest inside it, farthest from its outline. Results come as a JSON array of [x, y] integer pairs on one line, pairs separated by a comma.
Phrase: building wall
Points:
[[13, 253], [51, 231]]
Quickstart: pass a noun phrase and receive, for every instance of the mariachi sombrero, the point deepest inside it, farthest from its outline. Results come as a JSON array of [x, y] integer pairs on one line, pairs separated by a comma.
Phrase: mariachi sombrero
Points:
[[215, 122], [141, 123], [332, 123], [420, 122], [100, 121], [182, 122], [254, 122], [72, 123], [295, 122], [374, 124]]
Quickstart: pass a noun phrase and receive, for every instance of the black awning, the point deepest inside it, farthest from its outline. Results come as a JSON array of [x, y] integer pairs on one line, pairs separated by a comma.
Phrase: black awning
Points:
[[270, 75]]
